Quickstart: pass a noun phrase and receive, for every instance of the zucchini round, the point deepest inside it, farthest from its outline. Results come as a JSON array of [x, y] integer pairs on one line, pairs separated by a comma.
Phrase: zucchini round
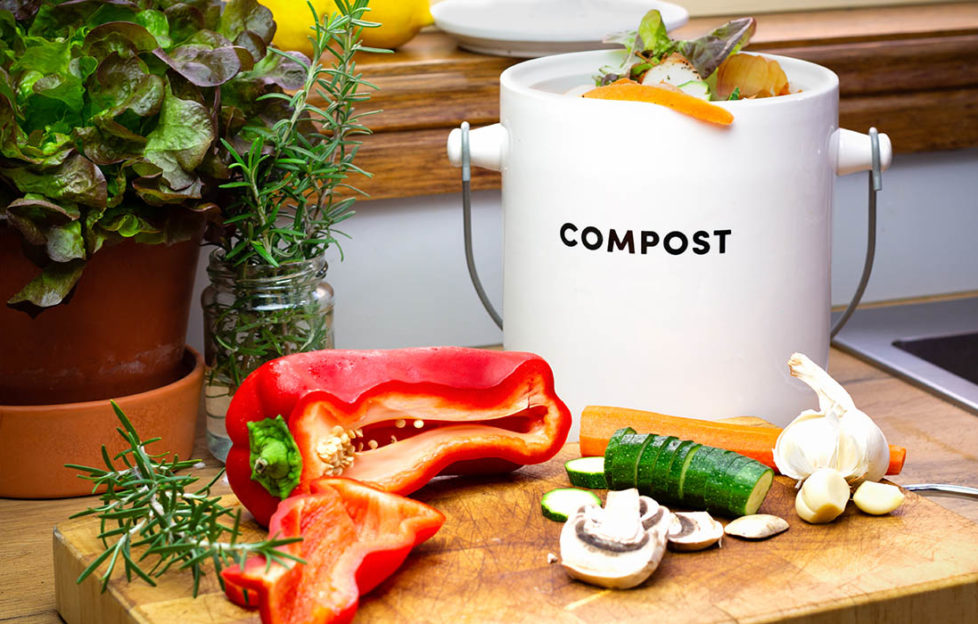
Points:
[[586, 472], [559, 504]]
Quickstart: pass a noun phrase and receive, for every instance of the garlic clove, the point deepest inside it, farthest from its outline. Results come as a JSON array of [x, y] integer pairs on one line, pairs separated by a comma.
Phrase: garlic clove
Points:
[[756, 526], [877, 499], [822, 497]]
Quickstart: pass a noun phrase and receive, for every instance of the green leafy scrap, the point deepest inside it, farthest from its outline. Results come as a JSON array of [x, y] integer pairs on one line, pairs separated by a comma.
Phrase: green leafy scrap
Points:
[[651, 43]]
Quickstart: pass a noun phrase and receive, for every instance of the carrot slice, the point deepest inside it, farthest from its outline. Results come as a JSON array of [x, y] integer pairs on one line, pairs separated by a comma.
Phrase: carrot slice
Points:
[[599, 422], [676, 100]]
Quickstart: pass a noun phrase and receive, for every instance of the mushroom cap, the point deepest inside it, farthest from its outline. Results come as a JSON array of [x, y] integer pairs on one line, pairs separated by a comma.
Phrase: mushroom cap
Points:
[[612, 547]]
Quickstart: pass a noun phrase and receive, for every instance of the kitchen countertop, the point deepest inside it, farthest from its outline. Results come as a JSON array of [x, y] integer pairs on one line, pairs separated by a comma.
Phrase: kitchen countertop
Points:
[[941, 441]]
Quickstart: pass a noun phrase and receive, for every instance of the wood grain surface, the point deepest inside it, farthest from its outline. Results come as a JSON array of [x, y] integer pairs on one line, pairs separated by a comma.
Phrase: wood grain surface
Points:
[[489, 563], [942, 443]]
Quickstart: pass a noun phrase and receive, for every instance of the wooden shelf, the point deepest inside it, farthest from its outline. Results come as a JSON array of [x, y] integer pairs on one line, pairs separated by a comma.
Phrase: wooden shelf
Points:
[[910, 71]]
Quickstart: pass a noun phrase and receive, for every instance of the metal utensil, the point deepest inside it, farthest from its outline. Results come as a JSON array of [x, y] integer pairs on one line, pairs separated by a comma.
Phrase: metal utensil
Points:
[[943, 489]]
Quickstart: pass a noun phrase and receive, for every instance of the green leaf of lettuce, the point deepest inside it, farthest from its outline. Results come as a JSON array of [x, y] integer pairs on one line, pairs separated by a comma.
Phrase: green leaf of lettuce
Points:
[[65, 242], [205, 66], [34, 217], [21, 10], [180, 140], [51, 286], [76, 180], [707, 52], [248, 15]]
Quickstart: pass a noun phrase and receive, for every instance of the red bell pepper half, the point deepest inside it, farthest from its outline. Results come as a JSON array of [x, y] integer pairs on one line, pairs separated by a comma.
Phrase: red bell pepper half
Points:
[[390, 418], [354, 537]]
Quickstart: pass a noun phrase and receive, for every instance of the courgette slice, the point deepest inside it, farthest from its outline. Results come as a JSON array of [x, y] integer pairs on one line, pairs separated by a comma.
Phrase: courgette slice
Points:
[[670, 493], [659, 484], [615, 440], [716, 486], [699, 473], [559, 504], [679, 470], [612, 450], [747, 484], [620, 468], [646, 462], [587, 472]]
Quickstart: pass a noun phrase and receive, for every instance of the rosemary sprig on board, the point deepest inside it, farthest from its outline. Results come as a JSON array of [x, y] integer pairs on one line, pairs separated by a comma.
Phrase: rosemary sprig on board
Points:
[[151, 521]]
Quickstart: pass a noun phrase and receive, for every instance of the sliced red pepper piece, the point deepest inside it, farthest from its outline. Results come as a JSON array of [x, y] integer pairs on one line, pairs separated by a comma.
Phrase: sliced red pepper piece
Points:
[[354, 537], [392, 418]]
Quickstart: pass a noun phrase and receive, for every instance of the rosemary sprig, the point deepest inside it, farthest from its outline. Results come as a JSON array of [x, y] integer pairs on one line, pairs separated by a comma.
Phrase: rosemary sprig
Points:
[[287, 199], [151, 521], [287, 182]]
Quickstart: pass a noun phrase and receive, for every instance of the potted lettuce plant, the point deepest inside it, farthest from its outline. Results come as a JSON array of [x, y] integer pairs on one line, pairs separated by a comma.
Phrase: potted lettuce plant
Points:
[[117, 125], [130, 131]]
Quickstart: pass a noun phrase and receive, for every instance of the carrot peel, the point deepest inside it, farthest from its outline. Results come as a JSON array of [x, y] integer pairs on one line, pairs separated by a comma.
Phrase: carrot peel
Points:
[[757, 442], [676, 100]]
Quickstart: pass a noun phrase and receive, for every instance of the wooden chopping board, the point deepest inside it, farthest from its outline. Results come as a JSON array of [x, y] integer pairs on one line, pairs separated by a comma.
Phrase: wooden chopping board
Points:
[[489, 563]]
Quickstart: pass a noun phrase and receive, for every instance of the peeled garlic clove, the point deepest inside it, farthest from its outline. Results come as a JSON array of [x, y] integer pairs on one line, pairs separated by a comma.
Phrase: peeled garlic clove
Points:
[[877, 498], [756, 526], [822, 497]]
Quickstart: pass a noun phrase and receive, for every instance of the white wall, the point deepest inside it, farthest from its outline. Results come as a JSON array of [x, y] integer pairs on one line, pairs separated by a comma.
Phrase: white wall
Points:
[[404, 281]]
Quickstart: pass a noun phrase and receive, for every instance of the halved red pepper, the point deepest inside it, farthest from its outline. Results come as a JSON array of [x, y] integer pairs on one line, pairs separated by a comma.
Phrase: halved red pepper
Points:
[[353, 537], [391, 418]]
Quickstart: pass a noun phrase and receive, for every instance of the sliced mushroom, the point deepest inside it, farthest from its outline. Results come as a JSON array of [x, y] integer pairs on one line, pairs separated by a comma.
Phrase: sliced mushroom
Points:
[[651, 512], [611, 546], [694, 530], [756, 526]]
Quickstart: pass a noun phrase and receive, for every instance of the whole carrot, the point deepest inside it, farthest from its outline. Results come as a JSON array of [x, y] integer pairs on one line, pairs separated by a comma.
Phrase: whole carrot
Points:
[[599, 422]]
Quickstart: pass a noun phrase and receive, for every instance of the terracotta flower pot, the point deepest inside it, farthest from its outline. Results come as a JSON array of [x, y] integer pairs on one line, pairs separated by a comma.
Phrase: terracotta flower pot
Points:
[[122, 332], [36, 441]]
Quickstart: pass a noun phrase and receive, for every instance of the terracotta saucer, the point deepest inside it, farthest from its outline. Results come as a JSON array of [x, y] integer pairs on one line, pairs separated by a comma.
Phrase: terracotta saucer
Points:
[[36, 441]]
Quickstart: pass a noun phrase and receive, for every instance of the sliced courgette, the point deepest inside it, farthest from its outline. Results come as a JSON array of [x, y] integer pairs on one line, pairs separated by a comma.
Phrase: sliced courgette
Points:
[[716, 486], [612, 450], [646, 462], [660, 472], [587, 472], [687, 474], [700, 471], [559, 504], [620, 469], [670, 491], [679, 470], [747, 483], [615, 439]]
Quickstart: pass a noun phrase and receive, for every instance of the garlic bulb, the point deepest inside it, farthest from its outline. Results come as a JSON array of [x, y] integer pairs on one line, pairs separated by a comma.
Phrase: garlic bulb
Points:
[[837, 436]]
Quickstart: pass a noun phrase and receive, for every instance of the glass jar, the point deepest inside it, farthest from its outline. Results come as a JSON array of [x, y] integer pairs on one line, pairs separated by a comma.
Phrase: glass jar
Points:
[[253, 314]]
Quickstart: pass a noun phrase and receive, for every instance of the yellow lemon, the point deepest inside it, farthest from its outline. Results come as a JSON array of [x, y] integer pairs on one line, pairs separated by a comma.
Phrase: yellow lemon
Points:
[[400, 20]]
